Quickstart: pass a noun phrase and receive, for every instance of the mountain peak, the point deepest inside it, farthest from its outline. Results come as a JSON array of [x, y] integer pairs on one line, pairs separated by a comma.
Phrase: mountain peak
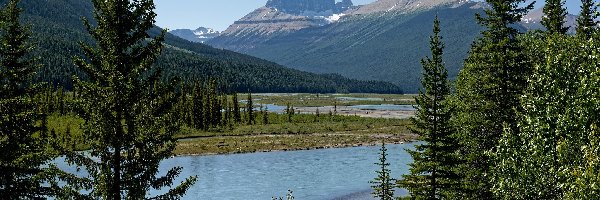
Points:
[[200, 35]]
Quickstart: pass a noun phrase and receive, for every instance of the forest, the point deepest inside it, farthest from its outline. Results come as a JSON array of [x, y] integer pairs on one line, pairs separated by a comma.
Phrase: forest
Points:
[[520, 122]]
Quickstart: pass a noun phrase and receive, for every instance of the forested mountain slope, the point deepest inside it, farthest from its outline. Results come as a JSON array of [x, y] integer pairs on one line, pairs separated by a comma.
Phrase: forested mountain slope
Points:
[[57, 28], [384, 40]]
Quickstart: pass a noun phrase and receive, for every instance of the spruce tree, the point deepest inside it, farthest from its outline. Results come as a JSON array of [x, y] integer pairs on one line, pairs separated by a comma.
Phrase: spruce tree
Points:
[[128, 111], [554, 19], [432, 174], [250, 109], [236, 108], [22, 157], [586, 22], [265, 115], [383, 185], [198, 112], [488, 91]]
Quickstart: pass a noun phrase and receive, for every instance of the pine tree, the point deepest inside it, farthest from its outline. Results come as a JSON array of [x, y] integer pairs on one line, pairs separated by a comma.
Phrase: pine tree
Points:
[[554, 19], [236, 109], [488, 91], [290, 112], [383, 185], [250, 109], [198, 112], [432, 174], [265, 115], [23, 155], [586, 22], [129, 115]]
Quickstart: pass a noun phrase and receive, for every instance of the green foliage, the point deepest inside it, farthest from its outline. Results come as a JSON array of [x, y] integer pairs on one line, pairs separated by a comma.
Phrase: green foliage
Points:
[[432, 174], [488, 91], [554, 18], [22, 140], [587, 18], [383, 185], [250, 110], [552, 153], [130, 121]]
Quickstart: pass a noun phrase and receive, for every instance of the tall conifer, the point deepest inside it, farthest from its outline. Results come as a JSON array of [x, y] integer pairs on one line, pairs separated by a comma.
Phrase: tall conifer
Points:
[[488, 91], [129, 115], [586, 21], [237, 116], [383, 185], [554, 19], [250, 109], [22, 154], [432, 174]]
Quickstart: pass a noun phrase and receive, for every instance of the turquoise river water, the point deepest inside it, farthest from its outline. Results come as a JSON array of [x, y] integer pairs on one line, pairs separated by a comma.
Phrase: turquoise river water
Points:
[[312, 174]]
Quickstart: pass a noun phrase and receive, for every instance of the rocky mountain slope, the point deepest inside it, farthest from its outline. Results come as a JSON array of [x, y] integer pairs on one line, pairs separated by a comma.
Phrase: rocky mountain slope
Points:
[[384, 40], [200, 35]]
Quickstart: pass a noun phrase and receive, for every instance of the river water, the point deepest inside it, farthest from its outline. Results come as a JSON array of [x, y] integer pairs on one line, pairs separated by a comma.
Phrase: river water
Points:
[[322, 174], [311, 175]]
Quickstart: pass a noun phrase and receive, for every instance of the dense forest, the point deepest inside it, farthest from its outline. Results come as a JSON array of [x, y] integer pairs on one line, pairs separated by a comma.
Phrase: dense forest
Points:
[[57, 30], [523, 120]]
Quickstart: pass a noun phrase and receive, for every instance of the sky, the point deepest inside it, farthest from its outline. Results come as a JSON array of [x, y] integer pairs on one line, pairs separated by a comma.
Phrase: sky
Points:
[[219, 14]]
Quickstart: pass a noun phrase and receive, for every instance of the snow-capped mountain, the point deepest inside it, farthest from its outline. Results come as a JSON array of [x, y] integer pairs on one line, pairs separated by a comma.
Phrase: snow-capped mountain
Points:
[[200, 35], [533, 21]]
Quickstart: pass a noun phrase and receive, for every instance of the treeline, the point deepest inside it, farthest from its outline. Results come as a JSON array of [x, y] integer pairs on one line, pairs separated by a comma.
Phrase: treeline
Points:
[[56, 30], [523, 120]]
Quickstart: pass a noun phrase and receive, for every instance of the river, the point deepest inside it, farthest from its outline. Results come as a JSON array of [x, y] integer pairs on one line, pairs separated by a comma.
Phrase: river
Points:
[[321, 174]]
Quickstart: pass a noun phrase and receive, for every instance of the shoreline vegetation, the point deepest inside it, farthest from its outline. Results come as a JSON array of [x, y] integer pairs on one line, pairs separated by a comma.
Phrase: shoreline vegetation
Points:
[[332, 127]]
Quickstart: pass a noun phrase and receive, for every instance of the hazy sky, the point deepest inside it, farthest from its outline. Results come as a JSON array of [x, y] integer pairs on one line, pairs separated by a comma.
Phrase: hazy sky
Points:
[[219, 14]]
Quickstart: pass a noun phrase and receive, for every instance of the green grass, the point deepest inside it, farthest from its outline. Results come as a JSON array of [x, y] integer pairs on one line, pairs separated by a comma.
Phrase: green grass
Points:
[[305, 132]]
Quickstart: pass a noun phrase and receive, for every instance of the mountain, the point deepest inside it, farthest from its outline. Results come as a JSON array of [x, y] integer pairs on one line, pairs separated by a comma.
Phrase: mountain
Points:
[[279, 17], [200, 35], [533, 21], [57, 28], [384, 40]]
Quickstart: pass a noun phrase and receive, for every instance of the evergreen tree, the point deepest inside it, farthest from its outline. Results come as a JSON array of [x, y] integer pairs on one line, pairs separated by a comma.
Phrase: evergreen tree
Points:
[[250, 109], [129, 115], [198, 113], [432, 174], [265, 115], [488, 92], [290, 112], [554, 19], [383, 185], [586, 22], [236, 109], [23, 155]]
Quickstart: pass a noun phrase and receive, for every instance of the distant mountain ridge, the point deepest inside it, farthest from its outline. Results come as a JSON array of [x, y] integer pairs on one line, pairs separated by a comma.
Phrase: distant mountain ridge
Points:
[[199, 35], [533, 21]]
